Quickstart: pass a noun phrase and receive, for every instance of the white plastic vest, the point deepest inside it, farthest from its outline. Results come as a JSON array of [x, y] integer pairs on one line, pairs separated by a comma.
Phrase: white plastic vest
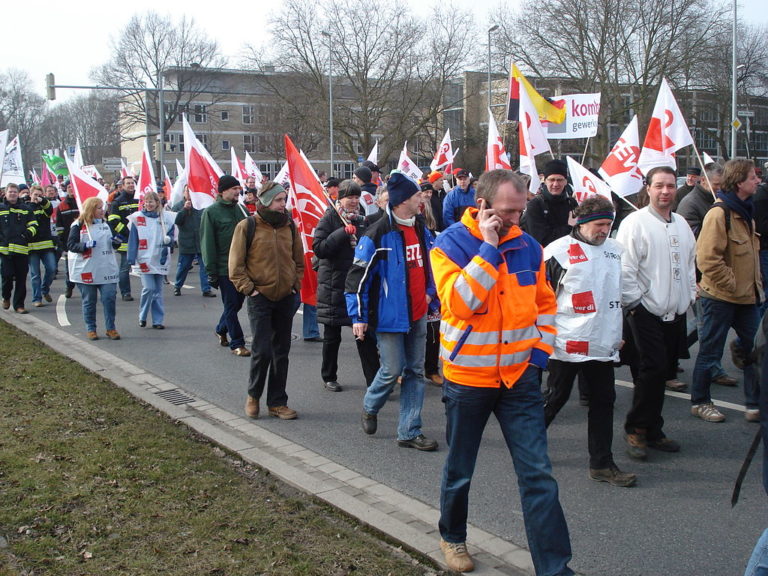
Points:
[[589, 316], [150, 234], [96, 265]]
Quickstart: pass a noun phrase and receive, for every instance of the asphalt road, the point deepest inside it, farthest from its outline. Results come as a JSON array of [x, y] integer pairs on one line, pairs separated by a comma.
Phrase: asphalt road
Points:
[[677, 521]]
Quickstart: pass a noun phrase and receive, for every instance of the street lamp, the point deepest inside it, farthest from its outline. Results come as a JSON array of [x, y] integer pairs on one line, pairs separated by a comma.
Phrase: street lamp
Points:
[[490, 31], [733, 86], [330, 98]]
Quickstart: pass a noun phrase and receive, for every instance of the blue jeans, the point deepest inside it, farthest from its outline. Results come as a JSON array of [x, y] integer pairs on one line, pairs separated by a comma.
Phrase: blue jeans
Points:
[[183, 268], [718, 318], [764, 273], [48, 259], [228, 322], [152, 298], [401, 353], [758, 562], [717, 370], [88, 293], [124, 280], [520, 413], [309, 322]]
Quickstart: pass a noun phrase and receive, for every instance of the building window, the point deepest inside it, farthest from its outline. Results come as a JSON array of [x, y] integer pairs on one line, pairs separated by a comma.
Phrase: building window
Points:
[[181, 109], [225, 145], [262, 113], [181, 143], [248, 143], [203, 140], [225, 115], [200, 115], [247, 114]]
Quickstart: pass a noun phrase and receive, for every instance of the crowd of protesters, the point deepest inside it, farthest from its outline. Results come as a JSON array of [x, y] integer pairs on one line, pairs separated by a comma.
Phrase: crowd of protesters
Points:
[[501, 287]]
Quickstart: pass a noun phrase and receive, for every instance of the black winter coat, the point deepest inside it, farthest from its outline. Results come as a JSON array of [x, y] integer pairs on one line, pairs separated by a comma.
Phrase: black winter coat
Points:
[[335, 253]]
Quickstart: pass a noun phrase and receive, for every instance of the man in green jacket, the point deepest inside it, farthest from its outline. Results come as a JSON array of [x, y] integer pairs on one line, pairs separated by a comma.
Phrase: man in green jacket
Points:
[[216, 229], [188, 223]]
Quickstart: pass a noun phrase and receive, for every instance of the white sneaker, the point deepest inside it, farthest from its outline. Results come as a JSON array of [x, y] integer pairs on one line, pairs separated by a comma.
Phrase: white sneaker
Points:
[[707, 412], [752, 415]]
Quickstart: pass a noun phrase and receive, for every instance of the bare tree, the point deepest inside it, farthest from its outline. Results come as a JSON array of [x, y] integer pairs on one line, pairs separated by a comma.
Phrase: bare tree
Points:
[[151, 45], [21, 112]]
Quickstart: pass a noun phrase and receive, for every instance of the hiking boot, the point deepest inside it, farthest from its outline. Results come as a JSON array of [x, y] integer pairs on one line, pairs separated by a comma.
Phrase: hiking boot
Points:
[[113, 335], [283, 412], [707, 412], [435, 379], [725, 380], [637, 447], [252, 407], [47, 298], [675, 385], [370, 423], [91, 335], [332, 386], [613, 476], [664, 445], [222, 339], [421, 442], [457, 557], [126, 297], [241, 351], [752, 415], [6, 304]]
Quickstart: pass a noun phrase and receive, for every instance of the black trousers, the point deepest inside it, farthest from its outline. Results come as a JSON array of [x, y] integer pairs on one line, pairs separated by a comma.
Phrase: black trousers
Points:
[[432, 352], [366, 350], [271, 328], [13, 269], [598, 379], [657, 345]]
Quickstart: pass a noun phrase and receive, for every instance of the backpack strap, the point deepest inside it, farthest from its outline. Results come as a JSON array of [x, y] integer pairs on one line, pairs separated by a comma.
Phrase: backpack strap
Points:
[[727, 211]]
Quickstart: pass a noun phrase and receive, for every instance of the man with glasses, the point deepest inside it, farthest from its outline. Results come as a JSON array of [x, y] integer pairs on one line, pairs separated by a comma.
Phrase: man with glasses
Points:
[[548, 215], [458, 199]]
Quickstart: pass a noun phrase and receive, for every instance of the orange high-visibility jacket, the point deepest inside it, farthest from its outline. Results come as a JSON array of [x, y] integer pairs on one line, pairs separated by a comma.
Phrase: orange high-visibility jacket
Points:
[[497, 307]]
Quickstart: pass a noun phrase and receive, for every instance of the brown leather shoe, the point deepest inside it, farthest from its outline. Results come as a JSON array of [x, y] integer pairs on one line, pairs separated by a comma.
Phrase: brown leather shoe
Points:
[[283, 412], [725, 380], [92, 335], [457, 557], [435, 379], [6, 304], [241, 351], [252, 407], [675, 385], [222, 339], [637, 447], [113, 335]]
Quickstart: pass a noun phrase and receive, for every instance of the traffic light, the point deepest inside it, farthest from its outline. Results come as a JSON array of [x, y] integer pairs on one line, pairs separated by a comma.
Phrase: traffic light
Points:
[[50, 86]]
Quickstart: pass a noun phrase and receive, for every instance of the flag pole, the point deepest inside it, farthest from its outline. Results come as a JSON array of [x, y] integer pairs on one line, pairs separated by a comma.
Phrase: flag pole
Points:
[[584, 155], [703, 169]]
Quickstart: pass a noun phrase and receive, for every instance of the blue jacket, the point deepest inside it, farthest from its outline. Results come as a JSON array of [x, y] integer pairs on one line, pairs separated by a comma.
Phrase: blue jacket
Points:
[[455, 203], [377, 283]]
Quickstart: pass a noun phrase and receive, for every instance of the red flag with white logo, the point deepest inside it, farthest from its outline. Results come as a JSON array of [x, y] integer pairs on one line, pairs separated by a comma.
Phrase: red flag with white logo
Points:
[[496, 156], [309, 202], [203, 172], [238, 170], [586, 184], [146, 176], [667, 132], [620, 168], [85, 186], [444, 155]]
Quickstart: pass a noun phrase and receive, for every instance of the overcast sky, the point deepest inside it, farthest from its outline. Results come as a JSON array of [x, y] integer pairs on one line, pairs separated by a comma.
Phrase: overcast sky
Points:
[[71, 38]]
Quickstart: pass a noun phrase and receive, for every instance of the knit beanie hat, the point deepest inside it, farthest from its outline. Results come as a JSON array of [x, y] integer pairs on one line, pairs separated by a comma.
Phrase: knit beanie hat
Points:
[[434, 176], [268, 191], [555, 167], [226, 182], [349, 188], [364, 173], [400, 188], [594, 208]]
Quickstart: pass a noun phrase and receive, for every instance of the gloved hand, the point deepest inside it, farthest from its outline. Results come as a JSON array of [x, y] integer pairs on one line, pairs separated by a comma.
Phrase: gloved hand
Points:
[[213, 281], [90, 244], [350, 229]]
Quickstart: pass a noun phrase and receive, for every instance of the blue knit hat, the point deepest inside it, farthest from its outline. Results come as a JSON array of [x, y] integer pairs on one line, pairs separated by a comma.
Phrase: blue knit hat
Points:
[[400, 187]]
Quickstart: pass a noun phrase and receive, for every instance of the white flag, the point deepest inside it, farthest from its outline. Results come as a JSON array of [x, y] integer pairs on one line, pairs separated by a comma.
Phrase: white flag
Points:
[[251, 169], [586, 184], [177, 195], [374, 155], [495, 154], [667, 132], [408, 166], [620, 168], [444, 155], [537, 142], [3, 144], [707, 159], [78, 156], [13, 167]]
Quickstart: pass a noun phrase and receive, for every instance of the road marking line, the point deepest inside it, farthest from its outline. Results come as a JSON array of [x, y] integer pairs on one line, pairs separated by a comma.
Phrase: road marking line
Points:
[[61, 311], [685, 396]]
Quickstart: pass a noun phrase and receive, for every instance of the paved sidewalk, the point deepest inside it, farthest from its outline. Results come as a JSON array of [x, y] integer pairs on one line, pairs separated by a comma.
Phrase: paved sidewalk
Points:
[[403, 519]]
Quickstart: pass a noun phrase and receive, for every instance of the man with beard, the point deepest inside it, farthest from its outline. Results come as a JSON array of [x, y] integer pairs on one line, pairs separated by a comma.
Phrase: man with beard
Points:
[[266, 263]]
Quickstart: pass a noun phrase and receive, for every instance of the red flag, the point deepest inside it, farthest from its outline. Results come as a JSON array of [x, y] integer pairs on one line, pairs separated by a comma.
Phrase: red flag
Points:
[[444, 155], [238, 170], [147, 175], [85, 186], [309, 204], [619, 168], [202, 171], [496, 156], [46, 179]]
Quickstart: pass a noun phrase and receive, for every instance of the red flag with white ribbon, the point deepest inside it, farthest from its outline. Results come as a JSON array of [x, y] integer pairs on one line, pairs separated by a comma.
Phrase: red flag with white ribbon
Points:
[[146, 176], [496, 156], [620, 168], [667, 132], [85, 187], [444, 155], [203, 172], [585, 183], [309, 204]]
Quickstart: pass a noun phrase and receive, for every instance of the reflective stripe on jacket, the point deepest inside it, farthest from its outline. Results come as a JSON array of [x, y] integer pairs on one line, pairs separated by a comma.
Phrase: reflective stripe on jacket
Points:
[[498, 308]]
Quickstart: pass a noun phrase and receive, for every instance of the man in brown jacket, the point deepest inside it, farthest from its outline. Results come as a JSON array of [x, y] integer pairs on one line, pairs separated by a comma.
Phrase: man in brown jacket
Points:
[[268, 270], [730, 288]]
